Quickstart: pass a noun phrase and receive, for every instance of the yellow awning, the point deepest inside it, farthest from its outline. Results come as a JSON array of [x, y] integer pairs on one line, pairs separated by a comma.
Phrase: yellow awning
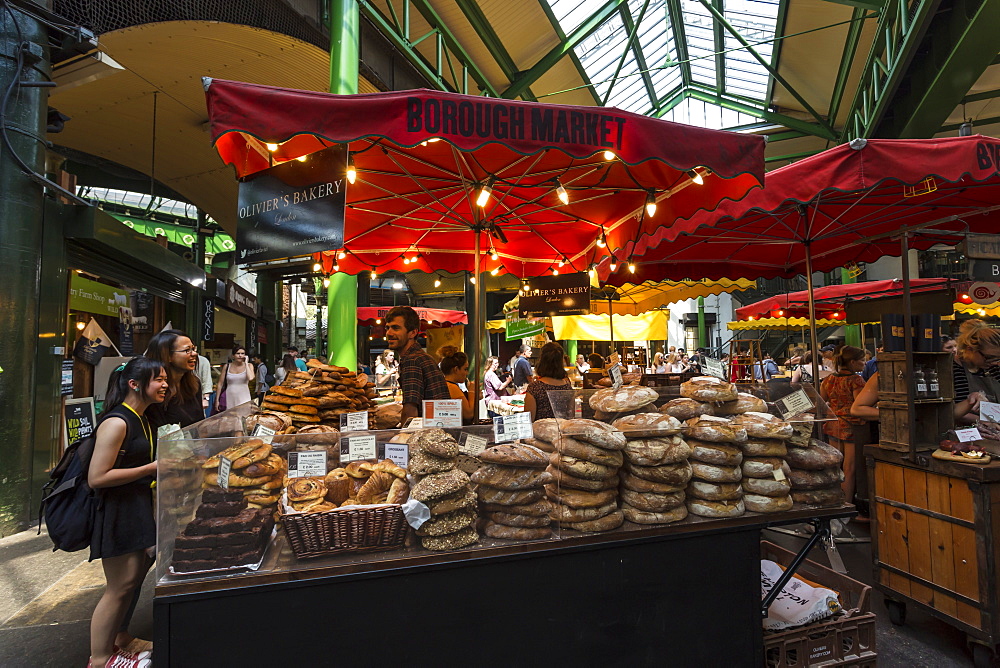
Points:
[[634, 299], [992, 310], [780, 323], [650, 326]]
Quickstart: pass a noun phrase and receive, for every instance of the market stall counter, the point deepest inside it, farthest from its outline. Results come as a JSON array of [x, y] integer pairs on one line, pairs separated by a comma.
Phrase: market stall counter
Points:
[[593, 537]]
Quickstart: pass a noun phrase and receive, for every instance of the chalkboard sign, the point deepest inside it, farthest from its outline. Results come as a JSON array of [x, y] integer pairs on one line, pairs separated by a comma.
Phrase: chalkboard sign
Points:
[[80, 419]]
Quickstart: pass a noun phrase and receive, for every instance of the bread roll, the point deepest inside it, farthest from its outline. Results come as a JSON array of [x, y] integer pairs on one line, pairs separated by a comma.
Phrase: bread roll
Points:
[[514, 520], [578, 498], [657, 451], [648, 425], [719, 454], [581, 468], [715, 430], [757, 503], [817, 456], [760, 447], [609, 522], [566, 445], [814, 479], [637, 484], [564, 479], [625, 398], [704, 508], [436, 442], [510, 477], [399, 491], [591, 431], [708, 388], [497, 530], [713, 473], [515, 454], [672, 474], [508, 497], [744, 403], [826, 496], [684, 409], [561, 513], [764, 467], [764, 425], [767, 486], [639, 516], [654, 503], [710, 491]]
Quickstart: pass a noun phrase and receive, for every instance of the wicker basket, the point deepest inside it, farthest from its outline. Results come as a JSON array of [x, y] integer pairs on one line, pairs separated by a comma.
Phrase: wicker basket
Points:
[[350, 530]]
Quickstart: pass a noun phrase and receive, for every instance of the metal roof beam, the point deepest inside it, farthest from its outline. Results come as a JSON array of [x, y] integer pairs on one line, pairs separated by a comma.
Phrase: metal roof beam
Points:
[[640, 59], [871, 5], [978, 97], [632, 32], [846, 63], [676, 17], [474, 13], [546, 62], [779, 28], [759, 112], [718, 10]]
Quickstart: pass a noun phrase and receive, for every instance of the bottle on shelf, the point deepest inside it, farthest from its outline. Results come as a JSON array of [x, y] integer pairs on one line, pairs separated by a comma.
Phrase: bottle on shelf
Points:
[[933, 384], [920, 382]]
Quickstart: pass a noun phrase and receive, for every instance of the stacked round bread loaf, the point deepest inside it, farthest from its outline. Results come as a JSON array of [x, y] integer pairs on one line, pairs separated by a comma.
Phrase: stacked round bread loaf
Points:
[[585, 465], [610, 403], [511, 491], [445, 489], [766, 487], [714, 489], [652, 485], [255, 469], [816, 474], [320, 395]]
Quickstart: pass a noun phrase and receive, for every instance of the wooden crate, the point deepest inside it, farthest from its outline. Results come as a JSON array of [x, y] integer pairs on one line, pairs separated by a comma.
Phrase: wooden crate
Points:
[[934, 418], [893, 374]]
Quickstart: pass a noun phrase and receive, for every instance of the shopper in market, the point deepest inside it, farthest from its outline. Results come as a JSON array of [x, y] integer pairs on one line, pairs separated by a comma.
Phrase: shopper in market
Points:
[[420, 378], [521, 369], [492, 385], [300, 363], [839, 390], [386, 370], [975, 369], [455, 367], [204, 371], [234, 381], [286, 367], [581, 364], [261, 373], [182, 407], [659, 366], [550, 374], [122, 470]]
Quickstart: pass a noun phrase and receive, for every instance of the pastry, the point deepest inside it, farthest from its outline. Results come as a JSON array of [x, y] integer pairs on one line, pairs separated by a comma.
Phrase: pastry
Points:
[[764, 425], [515, 520], [270, 466], [767, 486], [564, 479], [815, 479], [439, 484], [704, 508], [591, 431], [286, 390], [760, 447], [709, 491], [708, 388], [756, 503], [399, 491], [817, 456], [657, 451], [436, 442], [764, 467], [566, 445], [377, 485], [673, 474], [515, 454], [338, 486], [236, 480], [252, 457], [303, 409], [581, 468], [463, 498], [826, 496], [233, 453], [577, 498], [720, 454], [539, 508], [638, 484], [441, 525], [713, 473], [654, 503], [561, 513], [358, 469], [743, 403], [648, 425], [508, 497], [683, 408], [625, 398], [424, 463], [452, 541], [715, 430], [510, 477], [219, 495], [305, 489], [389, 467], [640, 516], [609, 522], [494, 530], [547, 429]]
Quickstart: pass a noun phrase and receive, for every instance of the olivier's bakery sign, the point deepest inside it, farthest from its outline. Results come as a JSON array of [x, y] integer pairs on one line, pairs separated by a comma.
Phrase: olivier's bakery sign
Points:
[[565, 294], [295, 208]]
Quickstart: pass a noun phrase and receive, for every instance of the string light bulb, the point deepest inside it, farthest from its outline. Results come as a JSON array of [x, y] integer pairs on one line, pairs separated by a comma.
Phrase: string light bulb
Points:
[[406, 260], [472, 279], [493, 254], [437, 281], [352, 171], [484, 193], [561, 193], [650, 204], [602, 240], [696, 177], [592, 271], [374, 273], [81, 324], [631, 266], [302, 158], [342, 254], [271, 147], [614, 263], [317, 266], [609, 155], [495, 270], [562, 261], [555, 272], [326, 282], [336, 266]]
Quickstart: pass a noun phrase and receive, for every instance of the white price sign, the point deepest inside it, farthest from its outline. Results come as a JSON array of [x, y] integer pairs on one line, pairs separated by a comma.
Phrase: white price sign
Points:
[[512, 427], [968, 435], [713, 367], [264, 433], [471, 444], [399, 453], [306, 463], [354, 421], [415, 423], [443, 413], [225, 466], [779, 475], [357, 447], [616, 376], [795, 403], [989, 411]]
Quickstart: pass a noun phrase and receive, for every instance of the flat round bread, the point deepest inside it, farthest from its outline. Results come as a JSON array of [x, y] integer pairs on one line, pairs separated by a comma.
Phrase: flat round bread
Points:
[[720, 454], [827, 496], [581, 468], [715, 430], [764, 467], [657, 451], [515, 454], [767, 486], [814, 479], [757, 503], [561, 513], [683, 408], [673, 474], [708, 388], [744, 402], [578, 498], [609, 522], [764, 425], [711, 491], [564, 479], [625, 398], [654, 503], [497, 530], [637, 484], [566, 445], [601, 434], [704, 508], [639, 516], [648, 425], [817, 456], [763, 447]]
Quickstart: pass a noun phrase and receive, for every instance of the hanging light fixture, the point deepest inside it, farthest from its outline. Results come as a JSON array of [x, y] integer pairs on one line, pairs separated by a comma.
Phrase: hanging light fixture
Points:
[[696, 177], [81, 324], [592, 270], [342, 254], [484, 193], [317, 266], [555, 271], [651, 204], [374, 273], [496, 270], [472, 279], [602, 240], [352, 172], [437, 281], [563, 261], [631, 266], [271, 147], [614, 263], [396, 285], [609, 155], [561, 193], [326, 282], [336, 266], [493, 254]]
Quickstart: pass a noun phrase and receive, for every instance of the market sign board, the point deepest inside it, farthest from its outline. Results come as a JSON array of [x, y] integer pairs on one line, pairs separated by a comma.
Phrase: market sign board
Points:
[[240, 300], [983, 246], [93, 297], [295, 208], [517, 328], [565, 294], [985, 270]]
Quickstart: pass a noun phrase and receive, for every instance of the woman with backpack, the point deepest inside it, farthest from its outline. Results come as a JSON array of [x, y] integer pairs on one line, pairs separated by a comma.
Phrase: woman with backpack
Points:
[[122, 471]]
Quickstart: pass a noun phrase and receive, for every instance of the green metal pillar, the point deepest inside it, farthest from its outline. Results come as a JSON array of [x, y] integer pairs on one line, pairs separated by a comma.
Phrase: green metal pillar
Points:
[[571, 353], [702, 330], [852, 333], [21, 243], [342, 295]]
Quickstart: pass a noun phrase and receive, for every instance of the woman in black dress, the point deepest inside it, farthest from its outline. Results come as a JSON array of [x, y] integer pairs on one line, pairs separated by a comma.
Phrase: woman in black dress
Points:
[[122, 471], [550, 374], [179, 356]]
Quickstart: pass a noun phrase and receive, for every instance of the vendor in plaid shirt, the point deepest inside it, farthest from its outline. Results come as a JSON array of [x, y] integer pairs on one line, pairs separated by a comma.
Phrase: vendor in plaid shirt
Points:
[[420, 378]]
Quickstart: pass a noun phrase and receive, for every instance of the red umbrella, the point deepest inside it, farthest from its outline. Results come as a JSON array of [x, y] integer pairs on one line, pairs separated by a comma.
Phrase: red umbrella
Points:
[[429, 317], [564, 180]]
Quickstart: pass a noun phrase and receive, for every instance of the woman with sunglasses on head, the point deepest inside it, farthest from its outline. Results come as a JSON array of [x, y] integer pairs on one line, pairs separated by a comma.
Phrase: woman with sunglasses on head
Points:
[[178, 355], [121, 472], [976, 373], [234, 381]]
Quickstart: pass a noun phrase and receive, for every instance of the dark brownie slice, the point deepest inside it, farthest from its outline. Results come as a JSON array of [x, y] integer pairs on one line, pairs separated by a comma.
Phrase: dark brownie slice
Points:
[[195, 553], [221, 509], [198, 528], [194, 542], [219, 495]]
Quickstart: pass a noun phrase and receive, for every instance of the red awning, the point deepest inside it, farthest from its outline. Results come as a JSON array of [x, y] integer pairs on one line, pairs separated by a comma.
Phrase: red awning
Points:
[[429, 317], [422, 157], [845, 205]]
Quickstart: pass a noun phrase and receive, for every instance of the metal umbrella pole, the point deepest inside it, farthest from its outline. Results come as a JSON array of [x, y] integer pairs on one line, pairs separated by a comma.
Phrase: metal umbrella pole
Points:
[[477, 325], [812, 316]]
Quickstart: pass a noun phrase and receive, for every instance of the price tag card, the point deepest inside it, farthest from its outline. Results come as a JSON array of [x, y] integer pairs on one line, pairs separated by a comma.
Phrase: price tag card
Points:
[[306, 463], [966, 435], [613, 359], [713, 367], [225, 466], [443, 413], [415, 423], [471, 444], [264, 434], [354, 421], [357, 447], [779, 475], [795, 403], [399, 453], [615, 373], [508, 428], [989, 411]]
